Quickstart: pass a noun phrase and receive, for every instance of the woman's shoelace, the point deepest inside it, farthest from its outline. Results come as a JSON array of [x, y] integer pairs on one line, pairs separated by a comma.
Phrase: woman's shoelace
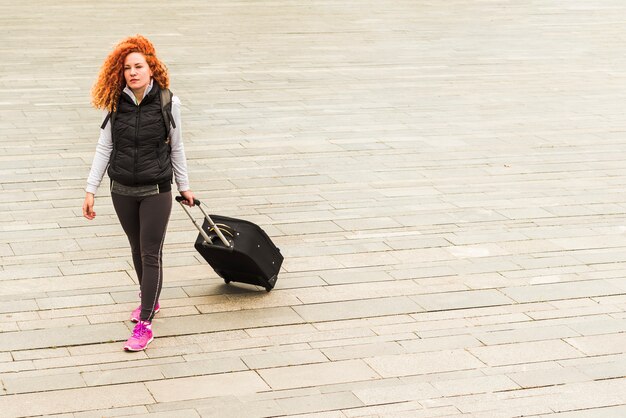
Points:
[[139, 330]]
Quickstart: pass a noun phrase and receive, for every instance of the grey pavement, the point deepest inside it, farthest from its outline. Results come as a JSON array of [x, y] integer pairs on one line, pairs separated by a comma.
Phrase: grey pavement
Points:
[[446, 181]]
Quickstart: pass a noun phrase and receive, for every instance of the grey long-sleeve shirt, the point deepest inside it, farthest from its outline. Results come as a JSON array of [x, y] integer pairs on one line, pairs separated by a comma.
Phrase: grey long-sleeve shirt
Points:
[[105, 147]]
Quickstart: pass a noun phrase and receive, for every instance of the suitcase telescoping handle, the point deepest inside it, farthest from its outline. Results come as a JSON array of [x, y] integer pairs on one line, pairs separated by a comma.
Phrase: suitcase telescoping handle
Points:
[[196, 202]]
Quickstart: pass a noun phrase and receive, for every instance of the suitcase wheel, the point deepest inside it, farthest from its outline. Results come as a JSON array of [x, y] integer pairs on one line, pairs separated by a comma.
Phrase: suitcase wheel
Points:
[[226, 281], [269, 289]]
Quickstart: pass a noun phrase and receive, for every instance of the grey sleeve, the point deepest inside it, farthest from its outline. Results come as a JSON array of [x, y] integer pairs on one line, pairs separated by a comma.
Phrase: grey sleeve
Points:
[[100, 159], [179, 160]]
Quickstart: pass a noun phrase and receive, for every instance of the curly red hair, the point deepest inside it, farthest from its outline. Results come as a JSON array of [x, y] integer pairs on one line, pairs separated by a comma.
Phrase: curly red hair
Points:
[[110, 83]]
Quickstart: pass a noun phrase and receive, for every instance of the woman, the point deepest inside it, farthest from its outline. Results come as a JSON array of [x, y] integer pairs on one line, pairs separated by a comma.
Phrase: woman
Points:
[[141, 154]]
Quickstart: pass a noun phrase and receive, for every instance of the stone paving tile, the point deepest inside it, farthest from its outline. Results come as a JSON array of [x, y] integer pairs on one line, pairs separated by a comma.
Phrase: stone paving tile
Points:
[[357, 309], [605, 370], [362, 340], [241, 302], [179, 413], [586, 361], [135, 361], [206, 386], [460, 300], [527, 352], [19, 305], [588, 395], [322, 402], [440, 343], [71, 361], [363, 322], [345, 292], [499, 319], [404, 409], [28, 272], [599, 325], [111, 412], [52, 323], [202, 367], [525, 367], [52, 371], [70, 301], [226, 321], [244, 345], [536, 333], [27, 248], [130, 375], [42, 383], [379, 258], [7, 327], [362, 350], [576, 312], [52, 337], [215, 352], [357, 385], [423, 363], [223, 406], [74, 400], [4, 357], [357, 275], [308, 264], [18, 287], [317, 374], [599, 344], [539, 293], [282, 394], [329, 414], [549, 377], [280, 330], [397, 393], [293, 358], [602, 412], [474, 385]]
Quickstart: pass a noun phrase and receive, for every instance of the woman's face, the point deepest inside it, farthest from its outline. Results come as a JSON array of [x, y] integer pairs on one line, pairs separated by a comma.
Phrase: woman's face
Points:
[[137, 72]]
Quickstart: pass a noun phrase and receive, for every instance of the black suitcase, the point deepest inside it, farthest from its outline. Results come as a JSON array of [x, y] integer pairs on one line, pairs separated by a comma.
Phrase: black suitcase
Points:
[[238, 250]]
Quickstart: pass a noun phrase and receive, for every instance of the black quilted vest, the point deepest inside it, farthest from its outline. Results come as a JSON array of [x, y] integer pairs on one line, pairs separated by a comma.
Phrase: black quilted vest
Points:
[[140, 155]]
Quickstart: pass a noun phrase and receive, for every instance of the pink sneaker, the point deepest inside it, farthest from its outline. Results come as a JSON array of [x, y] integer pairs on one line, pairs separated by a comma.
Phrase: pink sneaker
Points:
[[142, 336], [134, 315]]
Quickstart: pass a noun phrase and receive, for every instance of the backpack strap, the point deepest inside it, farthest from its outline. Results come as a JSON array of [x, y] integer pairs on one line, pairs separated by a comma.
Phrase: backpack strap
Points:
[[111, 117], [106, 120], [166, 108]]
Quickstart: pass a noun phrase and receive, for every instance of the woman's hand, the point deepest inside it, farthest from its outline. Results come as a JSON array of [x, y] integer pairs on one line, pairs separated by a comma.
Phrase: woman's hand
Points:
[[189, 197], [88, 207]]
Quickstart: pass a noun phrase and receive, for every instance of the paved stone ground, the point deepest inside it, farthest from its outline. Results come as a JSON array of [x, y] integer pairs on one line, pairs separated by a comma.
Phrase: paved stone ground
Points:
[[445, 179]]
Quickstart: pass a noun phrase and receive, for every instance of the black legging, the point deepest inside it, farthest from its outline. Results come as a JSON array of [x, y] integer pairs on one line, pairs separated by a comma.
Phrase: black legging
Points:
[[144, 220]]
